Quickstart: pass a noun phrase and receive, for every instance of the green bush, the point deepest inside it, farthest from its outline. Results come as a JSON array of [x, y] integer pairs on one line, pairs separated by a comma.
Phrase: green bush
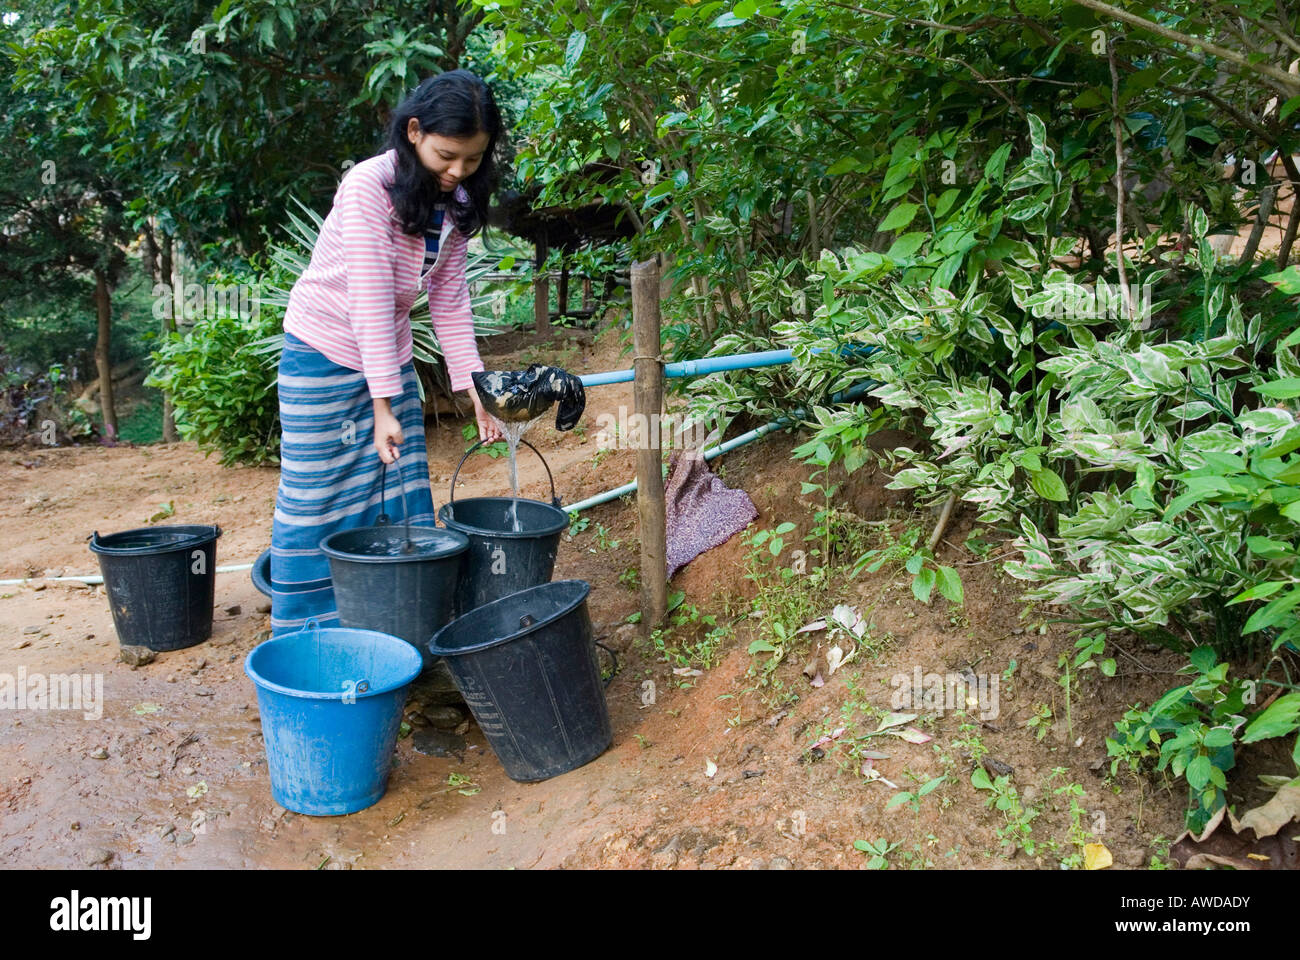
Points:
[[223, 396]]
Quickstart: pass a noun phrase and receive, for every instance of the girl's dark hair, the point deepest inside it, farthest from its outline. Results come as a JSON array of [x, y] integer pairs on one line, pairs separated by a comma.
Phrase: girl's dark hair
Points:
[[455, 104]]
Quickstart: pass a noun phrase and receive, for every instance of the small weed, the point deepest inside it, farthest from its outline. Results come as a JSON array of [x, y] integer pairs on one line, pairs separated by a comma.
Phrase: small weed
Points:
[[1040, 721], [878, 850], [913, 799], [1016, 830], [466, 786], [577, 523]]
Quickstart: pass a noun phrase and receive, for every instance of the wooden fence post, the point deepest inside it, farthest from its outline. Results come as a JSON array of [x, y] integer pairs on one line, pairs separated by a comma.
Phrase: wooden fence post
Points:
[[648, 398]]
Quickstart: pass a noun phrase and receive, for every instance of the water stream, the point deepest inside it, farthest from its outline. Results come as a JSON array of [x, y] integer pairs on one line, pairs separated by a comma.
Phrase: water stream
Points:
[[514, 430]]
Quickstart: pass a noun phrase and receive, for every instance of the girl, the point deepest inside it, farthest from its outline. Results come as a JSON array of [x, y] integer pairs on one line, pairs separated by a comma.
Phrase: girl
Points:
[[399, 220]]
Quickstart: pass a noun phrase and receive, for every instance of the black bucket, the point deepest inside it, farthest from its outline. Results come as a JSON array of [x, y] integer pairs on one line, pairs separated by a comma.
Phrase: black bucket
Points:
[[526, 665], [261, 572], [161, 583], [501, 560], [379, 587]]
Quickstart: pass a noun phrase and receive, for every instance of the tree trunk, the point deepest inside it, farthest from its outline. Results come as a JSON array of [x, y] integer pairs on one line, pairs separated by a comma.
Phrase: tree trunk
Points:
[[103, 310], [1266, 197], [542, 289], [1284, 254], [169, 433]]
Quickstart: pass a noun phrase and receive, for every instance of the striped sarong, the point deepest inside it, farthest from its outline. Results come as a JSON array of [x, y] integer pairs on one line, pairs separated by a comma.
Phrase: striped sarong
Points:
[[329, 476]]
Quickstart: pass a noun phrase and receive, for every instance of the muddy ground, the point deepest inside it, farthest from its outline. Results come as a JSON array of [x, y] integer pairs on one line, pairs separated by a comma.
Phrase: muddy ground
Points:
[[174, 773]]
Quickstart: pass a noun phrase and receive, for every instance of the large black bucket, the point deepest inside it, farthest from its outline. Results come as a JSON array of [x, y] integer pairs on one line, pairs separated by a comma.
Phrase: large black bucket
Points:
[[378, 586], [526, 665], [161, 583], [501, 560]]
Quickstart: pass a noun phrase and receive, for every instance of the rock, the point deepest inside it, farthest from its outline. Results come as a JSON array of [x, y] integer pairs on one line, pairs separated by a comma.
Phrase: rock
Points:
[[204, 692], [1134, 857], [624, 637], [417, 719], [184, 838], [40, 586], [264, 607], [31, 630], [21, 644], [462, 729], [136, 656], [779, 863], [1030, 793], [444, 717], [94, 856], [99, 753], [75, 825], [234, 610], [188, 771], [665, 858], [166, 831], [152, 774], [203, 662]]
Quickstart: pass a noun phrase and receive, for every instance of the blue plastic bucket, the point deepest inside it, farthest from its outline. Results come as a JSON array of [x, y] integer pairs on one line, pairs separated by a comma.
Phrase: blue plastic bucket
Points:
[[331, 704]]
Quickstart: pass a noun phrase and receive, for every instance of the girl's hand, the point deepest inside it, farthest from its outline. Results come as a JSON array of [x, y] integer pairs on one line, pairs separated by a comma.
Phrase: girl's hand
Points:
[[388, 432], [488, 431]]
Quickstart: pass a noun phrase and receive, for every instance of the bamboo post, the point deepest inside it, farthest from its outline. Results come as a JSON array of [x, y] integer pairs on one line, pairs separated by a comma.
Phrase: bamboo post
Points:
[[647, 400], [562, 295]]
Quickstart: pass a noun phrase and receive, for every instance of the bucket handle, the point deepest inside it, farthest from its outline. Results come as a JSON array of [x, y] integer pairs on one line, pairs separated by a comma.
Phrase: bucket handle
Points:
[[614, 657], [383, 494], [555, 501]]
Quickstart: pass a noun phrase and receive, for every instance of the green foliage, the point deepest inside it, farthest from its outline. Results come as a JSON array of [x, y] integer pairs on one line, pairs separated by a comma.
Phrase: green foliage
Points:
[[223, 397], [1193, 731], [690, 638]]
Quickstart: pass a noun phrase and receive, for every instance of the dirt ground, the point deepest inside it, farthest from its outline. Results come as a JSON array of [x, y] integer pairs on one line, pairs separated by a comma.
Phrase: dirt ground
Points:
[[174, 773]]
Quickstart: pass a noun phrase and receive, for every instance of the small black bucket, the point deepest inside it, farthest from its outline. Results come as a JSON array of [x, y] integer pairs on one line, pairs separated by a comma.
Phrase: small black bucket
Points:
[[502, 560], [526, 665], [161, 583], [378, 586]]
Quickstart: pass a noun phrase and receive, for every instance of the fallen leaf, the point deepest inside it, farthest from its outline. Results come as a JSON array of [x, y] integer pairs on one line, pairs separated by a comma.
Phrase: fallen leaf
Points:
[[834, 657], [849, 618], [710, 768], [895, 720], [1096, 856], [913, 735], [1268, 818], [873, 775], [1257, 856], [833, 735], [687, 672], [873, 755], [143, 708], [815, 625]]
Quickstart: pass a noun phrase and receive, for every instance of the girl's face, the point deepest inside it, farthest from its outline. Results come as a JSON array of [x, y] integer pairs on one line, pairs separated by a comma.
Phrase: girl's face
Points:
[[450, 161]]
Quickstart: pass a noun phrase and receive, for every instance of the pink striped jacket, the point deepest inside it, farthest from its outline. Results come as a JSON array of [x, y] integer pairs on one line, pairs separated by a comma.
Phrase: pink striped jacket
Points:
[[353, 302]]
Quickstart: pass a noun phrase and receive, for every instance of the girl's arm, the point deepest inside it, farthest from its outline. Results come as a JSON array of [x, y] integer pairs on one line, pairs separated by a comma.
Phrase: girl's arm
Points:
[[453, 323]]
